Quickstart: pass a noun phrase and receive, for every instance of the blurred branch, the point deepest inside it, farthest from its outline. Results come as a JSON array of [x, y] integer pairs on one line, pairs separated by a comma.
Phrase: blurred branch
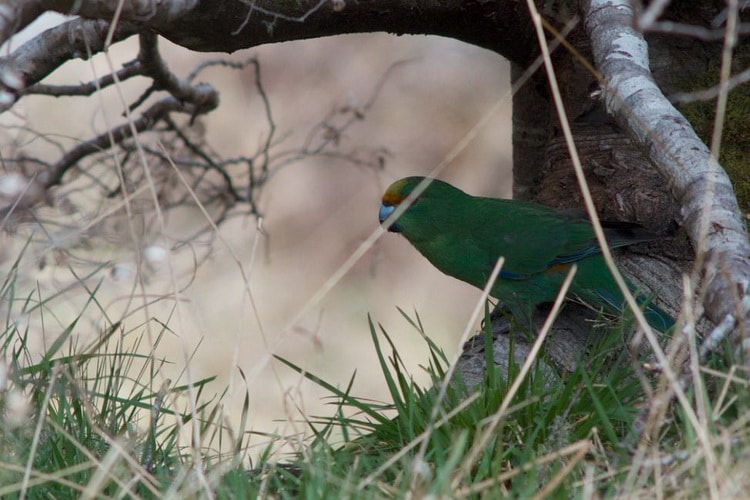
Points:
[[15, 16], [117, 135], [129, 70], [220, 183], [711, 93], [156, 68], [40, 56], [693, 31], [208, 161], [229, 25]]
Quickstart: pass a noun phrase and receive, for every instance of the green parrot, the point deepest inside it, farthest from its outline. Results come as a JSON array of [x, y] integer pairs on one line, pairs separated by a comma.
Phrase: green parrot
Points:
[[464, 235]]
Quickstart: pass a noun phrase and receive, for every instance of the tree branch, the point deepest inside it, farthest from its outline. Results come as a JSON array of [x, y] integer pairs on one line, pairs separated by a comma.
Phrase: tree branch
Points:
[[711, 215], [129, 70], [40, 56], [229, 25], [113, 137], [15, 16]]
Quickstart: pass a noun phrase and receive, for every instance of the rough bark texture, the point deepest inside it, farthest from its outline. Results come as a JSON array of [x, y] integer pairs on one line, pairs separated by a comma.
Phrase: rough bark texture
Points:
[[564, 348], [531, 131], [227, 25]]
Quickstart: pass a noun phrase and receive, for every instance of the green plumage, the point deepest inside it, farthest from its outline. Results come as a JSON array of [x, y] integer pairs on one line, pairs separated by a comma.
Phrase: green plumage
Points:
[[464, 235]]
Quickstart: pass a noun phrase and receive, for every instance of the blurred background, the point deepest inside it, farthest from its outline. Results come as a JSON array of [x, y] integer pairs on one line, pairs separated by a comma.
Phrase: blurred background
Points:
[[249, 294]]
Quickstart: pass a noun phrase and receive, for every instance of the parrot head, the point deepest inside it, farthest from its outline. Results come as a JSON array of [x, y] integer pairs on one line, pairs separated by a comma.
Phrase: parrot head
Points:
[[425, 209], [393, 197]]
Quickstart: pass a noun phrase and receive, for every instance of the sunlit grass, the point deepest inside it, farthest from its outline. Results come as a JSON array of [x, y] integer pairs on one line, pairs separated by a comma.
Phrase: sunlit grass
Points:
[[92, 420]]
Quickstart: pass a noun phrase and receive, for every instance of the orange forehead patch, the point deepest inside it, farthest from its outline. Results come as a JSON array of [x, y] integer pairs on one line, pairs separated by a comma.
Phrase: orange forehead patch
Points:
[[396, 193]]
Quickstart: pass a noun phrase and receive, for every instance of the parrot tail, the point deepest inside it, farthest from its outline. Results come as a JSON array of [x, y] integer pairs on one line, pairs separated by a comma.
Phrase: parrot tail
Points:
[[657, 317]]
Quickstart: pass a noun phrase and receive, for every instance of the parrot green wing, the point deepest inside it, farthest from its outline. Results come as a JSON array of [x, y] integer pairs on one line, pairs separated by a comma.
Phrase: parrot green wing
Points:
[[534, 238], [531, 237]]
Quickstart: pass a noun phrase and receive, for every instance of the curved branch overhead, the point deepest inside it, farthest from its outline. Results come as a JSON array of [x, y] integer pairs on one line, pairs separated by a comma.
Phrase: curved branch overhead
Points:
[[497, 26], [231, 25], [36, 59], [711, 215]]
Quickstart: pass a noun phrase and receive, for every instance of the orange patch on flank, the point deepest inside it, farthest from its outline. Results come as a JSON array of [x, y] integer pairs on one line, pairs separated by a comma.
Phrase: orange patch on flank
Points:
[[558, 268]]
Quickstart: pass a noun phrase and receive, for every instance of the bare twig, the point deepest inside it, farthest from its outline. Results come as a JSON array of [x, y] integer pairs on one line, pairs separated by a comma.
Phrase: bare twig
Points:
[[275, 15], [129, 70], [693, 31], [650, 14], [156, 67], [209, 162], [711, 93], [38, 57], [102, 142], [151, 12]]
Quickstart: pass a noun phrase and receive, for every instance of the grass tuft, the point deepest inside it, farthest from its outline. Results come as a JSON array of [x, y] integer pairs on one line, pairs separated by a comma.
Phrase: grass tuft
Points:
[[94, 421]]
